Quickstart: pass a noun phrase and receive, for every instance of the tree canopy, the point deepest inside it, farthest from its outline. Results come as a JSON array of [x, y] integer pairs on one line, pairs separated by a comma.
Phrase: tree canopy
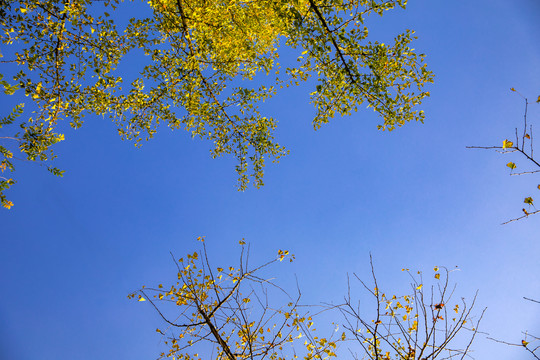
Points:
[[234, 313], [203, 66]]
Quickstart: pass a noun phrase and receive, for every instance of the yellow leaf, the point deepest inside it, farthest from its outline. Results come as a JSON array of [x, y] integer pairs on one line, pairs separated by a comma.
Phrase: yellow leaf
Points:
[[437, 276], [419, 287], [512, 89], [524, 343], [507, 144], [511, 165], [436, 268], [141, 298]]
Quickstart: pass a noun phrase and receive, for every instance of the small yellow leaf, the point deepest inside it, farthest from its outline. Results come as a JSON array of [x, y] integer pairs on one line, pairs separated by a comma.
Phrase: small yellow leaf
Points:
[[528, 200], [507, 144], [512, 89], [437, 276], [524, 343], [511, 165], [141, 298], [527, 136], [419, 287], [436, 268]]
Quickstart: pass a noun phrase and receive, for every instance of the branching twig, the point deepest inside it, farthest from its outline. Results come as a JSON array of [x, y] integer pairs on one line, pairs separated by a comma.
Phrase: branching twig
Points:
[[510, 147]]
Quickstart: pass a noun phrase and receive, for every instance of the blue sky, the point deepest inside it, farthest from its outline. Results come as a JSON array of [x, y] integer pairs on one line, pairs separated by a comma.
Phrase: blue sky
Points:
[[73, 248]]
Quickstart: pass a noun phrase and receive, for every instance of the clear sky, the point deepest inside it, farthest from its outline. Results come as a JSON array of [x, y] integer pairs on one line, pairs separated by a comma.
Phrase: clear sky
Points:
[[72, 248]]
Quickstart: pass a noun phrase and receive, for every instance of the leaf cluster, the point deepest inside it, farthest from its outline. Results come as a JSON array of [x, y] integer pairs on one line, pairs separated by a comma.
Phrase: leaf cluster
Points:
[[227, 314], [232, 310], [205, 67], [424, 324]]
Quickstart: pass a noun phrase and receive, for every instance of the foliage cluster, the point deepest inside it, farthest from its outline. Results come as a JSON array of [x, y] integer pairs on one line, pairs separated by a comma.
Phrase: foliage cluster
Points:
[[204, 66], [230, 313]]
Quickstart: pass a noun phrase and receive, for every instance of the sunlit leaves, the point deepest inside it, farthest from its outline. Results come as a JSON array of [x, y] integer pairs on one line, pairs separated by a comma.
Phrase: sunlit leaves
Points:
[[507, 144], [230, 312], [207, 66], [412, 326], [6, 156]]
